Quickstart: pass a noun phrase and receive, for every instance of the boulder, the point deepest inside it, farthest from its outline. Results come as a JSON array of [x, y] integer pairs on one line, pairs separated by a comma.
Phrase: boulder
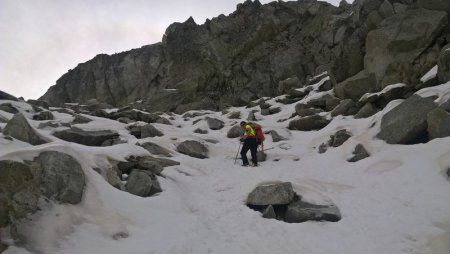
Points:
[[142, 183], [367, 110], [356, 86], [214, 124], [87, 138], [444, 65], [150, 165], [326, 102], [193, 148], [271, 194], [234, 132], [392, 48], [306, 110], [43, 116], [359, 153], [201, 131], [38, 103], [19, 128], [438, 121], [150, 131], [156, 149], [61, 177], [346, 107], [162, 161], [300, 211], [234, 115], [276, 137], [438, 5], [251, 117], [80, 119], [7, 107], [406, 123], [308, 123], [338, 138]]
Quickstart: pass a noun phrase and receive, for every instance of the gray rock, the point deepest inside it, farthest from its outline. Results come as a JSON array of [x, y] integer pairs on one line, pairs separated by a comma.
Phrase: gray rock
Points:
[[43, 116], [276, 137], [269, 213], [156, 149], [88, 138], [438, 5], [125, 167], [214, 124], [125, 120], [150, 131], [142, 183], [338, 138], [407, 122], [444, 65], [7, 107], [38, 103], [366, 111], [80, 119], [359, 153], [49, 124], [162, 161], [306, 110], [201, 131], [261, 156], [346, 107], [308, 123], [356, 86], [438, 121], [300, 211], [19, 128], [3, 120], [398, 40], [150, 165], [193, 148], [271, 194], [61, 177], [234, 115], [234, 132], [251, 117]]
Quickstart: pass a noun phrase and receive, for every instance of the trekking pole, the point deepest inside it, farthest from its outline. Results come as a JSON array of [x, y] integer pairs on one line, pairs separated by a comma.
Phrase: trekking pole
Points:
[[268, 149], [239, 148]]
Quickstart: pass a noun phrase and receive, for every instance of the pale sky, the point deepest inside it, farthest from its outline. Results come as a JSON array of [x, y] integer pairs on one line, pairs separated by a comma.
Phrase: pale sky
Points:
[[40, 40]]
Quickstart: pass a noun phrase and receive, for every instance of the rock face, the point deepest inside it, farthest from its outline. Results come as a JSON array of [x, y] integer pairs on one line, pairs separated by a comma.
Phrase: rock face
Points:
[[259, 50], [193, 148], [438, 121], [406, 123], [19, 128], [7, 96], [400, 39], [88, 138]]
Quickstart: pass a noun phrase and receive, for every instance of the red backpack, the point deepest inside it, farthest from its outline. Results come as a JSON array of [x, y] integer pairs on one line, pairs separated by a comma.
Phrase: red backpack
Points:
[[259, 133]]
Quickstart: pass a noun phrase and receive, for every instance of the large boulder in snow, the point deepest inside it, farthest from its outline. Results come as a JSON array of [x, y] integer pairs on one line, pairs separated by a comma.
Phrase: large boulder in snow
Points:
[[142, 183], [43, 116], [234, 132], [308, 123], [395, 45], [444, 65], [88, 138], [19, 128], [300, 211], [406, 123], [61, 177], [366, 111], [214, 124], [193, 148], [271, 194], [156, 149], [8, 107], [150, 131], [438, 121], [346, 107]]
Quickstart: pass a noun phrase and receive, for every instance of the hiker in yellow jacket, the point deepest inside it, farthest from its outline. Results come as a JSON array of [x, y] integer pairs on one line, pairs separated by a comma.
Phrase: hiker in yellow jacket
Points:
[[250, 142]]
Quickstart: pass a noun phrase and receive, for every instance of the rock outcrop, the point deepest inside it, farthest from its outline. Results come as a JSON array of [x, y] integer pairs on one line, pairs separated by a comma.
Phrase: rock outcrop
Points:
[[19, 128], [265, 50]]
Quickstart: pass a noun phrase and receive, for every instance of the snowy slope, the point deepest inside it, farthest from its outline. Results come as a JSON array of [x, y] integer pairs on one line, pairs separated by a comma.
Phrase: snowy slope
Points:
[[395, 201]]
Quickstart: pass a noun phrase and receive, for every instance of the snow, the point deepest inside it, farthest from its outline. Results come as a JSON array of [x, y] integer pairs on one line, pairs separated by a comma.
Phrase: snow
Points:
[[430, 74], [395, 201], [385, 90]]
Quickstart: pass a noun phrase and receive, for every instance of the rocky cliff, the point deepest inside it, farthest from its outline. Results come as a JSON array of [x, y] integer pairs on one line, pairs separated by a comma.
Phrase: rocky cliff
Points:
[[264, 50]]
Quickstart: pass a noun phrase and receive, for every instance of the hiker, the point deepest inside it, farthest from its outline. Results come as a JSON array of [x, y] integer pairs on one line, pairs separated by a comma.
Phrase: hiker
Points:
[[248, 138], [259, 134]]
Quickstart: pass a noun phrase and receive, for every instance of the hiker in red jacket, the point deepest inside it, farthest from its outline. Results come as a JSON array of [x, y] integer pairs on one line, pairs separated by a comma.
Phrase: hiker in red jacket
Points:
[[250, 142]]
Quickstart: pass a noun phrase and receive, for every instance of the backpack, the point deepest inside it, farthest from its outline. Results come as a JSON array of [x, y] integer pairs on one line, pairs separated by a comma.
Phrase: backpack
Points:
[[259, 133]]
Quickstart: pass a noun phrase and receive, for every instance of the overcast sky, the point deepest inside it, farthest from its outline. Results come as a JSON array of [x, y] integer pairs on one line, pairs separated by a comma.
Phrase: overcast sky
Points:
[[40, 40]]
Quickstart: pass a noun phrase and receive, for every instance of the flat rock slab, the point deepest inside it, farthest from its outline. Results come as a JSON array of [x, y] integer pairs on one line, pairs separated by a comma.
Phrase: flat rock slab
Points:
[[194, 149], [271, 194], [88, 138]]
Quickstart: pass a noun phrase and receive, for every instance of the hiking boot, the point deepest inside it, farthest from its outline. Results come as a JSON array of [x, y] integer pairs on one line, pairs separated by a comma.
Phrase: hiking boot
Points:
[[245, 165], [254, 164]]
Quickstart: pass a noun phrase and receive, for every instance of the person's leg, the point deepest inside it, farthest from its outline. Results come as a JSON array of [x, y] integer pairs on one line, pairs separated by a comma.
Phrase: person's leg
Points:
[[245, 148], [253, 151]]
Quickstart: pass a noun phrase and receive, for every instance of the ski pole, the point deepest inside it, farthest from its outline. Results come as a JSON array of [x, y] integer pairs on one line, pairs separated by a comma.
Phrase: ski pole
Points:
[[239, 148]]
